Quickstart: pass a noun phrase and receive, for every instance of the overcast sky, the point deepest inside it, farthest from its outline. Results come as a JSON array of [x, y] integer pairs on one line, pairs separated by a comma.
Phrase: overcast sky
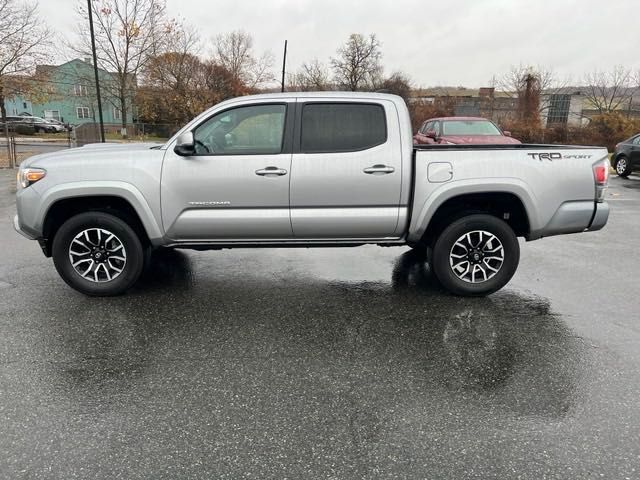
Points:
[[443, 42]]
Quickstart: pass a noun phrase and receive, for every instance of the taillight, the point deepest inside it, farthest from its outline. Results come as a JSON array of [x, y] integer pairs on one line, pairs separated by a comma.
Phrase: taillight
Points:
[[601, 172], [601, 177]]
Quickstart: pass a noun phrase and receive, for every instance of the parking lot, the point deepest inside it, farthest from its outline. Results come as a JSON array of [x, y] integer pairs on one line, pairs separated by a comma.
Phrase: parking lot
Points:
[[325, 363]]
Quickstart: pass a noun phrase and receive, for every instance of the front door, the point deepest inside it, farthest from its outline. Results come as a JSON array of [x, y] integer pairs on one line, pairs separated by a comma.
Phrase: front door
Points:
[[635, 152], [236, 186], [346, 171]]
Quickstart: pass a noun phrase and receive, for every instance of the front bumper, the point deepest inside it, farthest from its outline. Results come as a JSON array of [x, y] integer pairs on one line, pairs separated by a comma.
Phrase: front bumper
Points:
[[20, 230]]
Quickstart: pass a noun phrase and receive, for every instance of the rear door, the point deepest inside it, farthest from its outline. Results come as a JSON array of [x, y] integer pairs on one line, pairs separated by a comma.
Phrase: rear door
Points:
[[346, 170]]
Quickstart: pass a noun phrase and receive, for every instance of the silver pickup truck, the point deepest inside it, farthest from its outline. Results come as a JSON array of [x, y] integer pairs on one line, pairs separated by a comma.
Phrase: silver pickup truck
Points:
[[301, 170]]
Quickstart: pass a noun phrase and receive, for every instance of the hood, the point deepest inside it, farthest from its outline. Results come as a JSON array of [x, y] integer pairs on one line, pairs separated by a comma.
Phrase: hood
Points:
[[480, 139], [88, 152]]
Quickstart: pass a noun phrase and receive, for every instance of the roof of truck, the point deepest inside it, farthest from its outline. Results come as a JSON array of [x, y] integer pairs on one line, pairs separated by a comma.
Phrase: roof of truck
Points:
[[326, 94]]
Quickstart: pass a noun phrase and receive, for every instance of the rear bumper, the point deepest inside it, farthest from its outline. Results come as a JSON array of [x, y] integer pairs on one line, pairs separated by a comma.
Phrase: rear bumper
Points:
[[575, 217], [600, 217]]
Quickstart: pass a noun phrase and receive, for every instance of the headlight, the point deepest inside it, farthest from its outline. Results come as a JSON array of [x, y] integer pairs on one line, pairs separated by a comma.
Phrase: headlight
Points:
[[27, 176]]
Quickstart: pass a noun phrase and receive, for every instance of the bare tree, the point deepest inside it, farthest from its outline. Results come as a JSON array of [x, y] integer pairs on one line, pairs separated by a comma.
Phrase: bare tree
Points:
[[128, 33], [513, 82], [609, 91], [23, 41], [312, 76], [234, 52], [532, 86], [358, 64], [398, 84]]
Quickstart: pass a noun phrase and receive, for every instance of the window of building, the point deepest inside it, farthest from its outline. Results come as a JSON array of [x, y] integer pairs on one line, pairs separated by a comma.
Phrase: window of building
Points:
[[53, 114], [80, 90], [117, 114], [24, 104], [559, 105], [83, 112], [250, 130], [342, 127]]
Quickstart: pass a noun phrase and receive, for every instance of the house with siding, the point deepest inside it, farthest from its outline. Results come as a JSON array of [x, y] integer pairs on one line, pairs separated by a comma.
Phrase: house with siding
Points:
[[70, 95]]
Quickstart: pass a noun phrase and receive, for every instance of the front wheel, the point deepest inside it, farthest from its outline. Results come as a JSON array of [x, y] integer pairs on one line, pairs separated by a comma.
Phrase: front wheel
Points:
[[98, 254], [623, 167], [476, 255]]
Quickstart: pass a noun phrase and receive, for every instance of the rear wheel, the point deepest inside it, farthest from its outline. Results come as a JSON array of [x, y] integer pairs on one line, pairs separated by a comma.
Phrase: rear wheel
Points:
[[623, 167], [476, 255], [98, 254]]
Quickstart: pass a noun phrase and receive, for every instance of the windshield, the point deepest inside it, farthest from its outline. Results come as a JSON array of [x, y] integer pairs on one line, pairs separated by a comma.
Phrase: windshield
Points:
[[469, 127]]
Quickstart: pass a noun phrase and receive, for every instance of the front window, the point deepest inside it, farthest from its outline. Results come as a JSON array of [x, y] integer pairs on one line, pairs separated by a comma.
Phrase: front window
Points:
[[469, 127], [52, 114], [83, 112], [250, 130]]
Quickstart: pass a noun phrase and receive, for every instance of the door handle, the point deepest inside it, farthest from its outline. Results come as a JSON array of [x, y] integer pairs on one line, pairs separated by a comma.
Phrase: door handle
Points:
[[271, 171], [379, 170]]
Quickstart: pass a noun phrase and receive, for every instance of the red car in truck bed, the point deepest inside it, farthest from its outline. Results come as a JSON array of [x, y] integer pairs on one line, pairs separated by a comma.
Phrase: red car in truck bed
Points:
[[462, 130]]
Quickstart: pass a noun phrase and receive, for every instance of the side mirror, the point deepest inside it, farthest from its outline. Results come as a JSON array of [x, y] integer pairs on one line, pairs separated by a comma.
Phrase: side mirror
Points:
[[507, 133], [185, 145], [431, 134]]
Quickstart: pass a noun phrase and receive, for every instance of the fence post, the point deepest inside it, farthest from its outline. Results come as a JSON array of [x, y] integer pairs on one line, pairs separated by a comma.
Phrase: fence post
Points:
[[12, 151]]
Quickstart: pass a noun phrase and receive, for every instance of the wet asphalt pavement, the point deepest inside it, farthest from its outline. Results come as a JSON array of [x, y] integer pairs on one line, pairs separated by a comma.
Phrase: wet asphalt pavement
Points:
[[325, 363]]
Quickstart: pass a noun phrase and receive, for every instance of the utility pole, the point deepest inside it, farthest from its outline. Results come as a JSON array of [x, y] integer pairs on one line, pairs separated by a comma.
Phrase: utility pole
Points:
[[284, 63], [95, 70]]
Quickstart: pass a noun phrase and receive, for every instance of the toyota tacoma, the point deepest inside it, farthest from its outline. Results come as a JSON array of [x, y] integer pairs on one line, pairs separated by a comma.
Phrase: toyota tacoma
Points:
[[306, 170]]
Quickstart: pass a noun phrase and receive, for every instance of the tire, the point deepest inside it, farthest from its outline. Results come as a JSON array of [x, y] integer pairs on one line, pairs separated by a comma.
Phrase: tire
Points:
[[490, 249], [103, 243], [623, 166]]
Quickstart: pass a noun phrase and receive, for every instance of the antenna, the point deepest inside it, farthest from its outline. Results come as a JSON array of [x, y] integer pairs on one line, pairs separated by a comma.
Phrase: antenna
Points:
[[284, 63]]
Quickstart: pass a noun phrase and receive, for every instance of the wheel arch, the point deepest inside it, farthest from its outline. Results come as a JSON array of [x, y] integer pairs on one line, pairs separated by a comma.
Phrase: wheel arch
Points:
[[125, 203], [515, 208]]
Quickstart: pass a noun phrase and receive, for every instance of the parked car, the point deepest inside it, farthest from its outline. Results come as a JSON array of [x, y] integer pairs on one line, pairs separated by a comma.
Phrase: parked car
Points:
[[58, 125], [40, 124], [462, 130], [15, 125], [626, 156], [305, 169]]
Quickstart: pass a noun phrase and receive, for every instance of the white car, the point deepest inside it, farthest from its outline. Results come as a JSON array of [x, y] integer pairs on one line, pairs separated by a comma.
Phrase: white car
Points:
[[58, 125]]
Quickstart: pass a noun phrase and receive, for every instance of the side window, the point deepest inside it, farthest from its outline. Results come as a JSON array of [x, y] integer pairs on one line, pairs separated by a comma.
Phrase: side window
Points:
[[342, 127], [250, 130], [636, 141], [436, 127]]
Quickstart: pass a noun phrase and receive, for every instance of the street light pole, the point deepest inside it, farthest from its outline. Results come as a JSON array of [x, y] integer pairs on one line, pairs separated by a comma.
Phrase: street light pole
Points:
[[95, 70]]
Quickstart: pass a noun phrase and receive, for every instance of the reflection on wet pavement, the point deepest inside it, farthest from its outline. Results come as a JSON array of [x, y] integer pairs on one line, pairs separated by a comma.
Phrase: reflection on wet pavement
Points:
[[288, 371]]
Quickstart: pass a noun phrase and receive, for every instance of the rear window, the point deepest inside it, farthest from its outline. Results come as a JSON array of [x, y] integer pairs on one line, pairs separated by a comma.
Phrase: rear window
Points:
[[342, 127]]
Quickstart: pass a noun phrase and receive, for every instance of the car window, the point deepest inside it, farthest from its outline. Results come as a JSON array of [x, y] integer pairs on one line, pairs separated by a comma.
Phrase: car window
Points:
[[427, 126], [435, 126], [470, 127], [342, 127], [636, 141], [248, 130]]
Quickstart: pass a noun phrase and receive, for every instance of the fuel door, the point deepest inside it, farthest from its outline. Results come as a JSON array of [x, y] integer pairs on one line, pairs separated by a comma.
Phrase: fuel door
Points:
[[439, 172]]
